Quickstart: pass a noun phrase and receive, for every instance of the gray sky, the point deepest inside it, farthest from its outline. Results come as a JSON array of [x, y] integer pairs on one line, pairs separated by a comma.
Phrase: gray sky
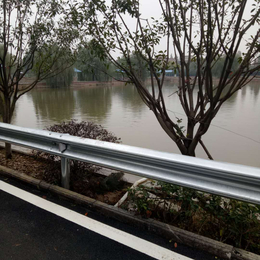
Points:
[[151, 8]]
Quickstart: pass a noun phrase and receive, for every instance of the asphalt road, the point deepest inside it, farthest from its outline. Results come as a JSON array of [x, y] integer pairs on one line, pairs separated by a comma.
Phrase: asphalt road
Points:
[[34, 232]]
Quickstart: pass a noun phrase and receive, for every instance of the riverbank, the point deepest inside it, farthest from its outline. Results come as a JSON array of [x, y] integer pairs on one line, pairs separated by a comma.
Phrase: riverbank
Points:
[[87, 84], [75, 84]]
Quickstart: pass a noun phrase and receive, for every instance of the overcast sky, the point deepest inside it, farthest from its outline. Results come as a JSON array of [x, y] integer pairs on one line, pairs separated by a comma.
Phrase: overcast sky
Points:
[[151, 8]]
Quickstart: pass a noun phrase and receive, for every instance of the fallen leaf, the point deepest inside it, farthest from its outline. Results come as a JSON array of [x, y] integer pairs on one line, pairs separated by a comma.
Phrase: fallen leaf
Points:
[[148, 213], [175, 244], [44, 197], [86, 213]]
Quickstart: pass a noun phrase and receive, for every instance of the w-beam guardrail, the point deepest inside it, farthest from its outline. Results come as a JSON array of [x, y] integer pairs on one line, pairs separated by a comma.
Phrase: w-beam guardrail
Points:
[[225, 179]]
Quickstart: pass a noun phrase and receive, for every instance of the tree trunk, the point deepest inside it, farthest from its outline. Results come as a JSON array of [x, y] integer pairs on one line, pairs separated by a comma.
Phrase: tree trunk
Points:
[[7, 119]]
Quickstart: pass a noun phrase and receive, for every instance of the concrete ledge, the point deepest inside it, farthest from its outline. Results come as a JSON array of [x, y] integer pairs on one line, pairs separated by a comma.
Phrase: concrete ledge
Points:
[[240, 254], [170, 232]]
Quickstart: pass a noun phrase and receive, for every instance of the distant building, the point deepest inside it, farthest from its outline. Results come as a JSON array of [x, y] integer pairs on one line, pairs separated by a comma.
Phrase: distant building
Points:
[[76, 74]]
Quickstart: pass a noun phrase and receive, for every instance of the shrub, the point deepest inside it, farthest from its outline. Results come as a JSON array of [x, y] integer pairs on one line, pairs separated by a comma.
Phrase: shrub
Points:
[[226, 220], [82, 129]]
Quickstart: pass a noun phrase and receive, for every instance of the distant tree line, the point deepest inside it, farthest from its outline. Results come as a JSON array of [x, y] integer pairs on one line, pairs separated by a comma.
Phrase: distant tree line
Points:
[[94, 68]]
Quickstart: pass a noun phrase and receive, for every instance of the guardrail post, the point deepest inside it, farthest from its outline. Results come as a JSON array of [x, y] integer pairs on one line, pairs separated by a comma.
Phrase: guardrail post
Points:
[[65, 173], [65, 168]]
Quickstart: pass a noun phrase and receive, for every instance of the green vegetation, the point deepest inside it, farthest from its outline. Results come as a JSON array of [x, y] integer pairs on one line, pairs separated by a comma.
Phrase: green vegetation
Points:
[[63, 79], [138, 65], [226, 220], [58, 62], [95, 68], [92, 68]]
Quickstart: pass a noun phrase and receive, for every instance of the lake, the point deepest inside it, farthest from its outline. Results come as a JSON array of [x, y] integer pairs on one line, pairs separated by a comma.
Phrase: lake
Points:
[[233, 137]]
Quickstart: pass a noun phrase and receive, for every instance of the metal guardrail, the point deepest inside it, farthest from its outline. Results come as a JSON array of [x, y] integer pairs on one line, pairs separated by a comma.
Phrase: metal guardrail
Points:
[[225, 179]]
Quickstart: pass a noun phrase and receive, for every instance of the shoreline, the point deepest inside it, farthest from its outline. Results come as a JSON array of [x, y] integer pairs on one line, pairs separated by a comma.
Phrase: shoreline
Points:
[[87, 84]]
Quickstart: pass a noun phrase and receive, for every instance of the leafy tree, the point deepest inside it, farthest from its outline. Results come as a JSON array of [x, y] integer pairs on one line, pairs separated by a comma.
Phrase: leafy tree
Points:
[[65, 77], [28, 30], [199, 31], [217, 69], [93, 68], [140, 66]]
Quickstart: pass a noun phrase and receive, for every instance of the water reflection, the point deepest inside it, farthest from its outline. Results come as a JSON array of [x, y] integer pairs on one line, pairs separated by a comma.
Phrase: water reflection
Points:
[[95, 101], [129, 97], [255, 89], [53, 104]]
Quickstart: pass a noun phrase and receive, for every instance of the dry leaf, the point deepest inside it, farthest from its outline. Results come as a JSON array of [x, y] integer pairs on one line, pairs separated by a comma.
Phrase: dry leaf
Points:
[[148, 213]]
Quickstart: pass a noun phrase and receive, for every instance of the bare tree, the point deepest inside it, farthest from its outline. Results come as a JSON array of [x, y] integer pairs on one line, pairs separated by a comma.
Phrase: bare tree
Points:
[[30, 32], [200, 31]]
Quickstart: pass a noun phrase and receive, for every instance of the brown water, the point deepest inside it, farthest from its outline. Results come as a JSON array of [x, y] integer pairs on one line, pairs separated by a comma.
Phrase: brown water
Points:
[[121, 111]]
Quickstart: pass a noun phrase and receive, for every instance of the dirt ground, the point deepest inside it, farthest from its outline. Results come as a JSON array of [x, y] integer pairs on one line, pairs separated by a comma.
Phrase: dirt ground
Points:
[[85, 183]]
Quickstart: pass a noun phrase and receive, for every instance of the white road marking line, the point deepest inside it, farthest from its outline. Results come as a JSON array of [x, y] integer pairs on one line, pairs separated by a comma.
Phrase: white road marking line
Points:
[[117, 235]]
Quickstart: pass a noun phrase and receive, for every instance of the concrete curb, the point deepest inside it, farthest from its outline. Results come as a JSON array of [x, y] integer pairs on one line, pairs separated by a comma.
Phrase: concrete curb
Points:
[[170, 232]]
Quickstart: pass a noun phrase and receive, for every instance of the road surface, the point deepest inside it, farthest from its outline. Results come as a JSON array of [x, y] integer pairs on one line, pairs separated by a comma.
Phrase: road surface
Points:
[[35, 225]]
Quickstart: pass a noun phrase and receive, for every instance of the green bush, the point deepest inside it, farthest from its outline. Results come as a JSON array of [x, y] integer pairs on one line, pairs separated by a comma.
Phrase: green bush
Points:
[[226, 220]]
